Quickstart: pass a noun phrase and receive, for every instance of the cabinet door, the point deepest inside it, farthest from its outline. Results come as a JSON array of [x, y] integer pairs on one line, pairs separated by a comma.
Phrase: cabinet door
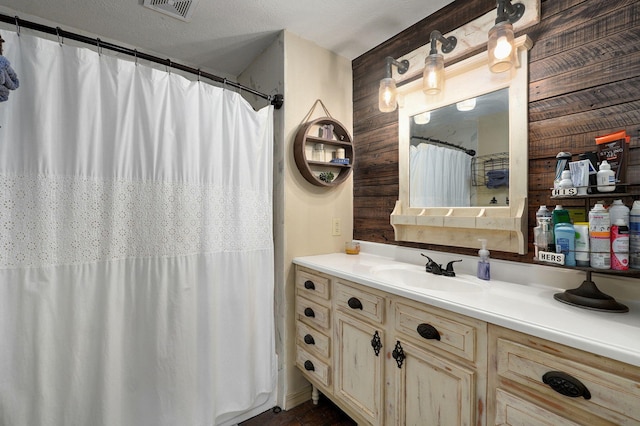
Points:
[[431, 390], [358, 370]]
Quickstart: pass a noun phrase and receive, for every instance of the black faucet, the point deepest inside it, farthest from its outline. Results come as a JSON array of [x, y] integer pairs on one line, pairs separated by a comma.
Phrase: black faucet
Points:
[[449, 271], [436, 268]]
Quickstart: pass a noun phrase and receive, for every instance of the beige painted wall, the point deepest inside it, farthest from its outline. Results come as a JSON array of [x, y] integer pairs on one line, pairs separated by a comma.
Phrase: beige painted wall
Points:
[[303, 212], [311, 73]]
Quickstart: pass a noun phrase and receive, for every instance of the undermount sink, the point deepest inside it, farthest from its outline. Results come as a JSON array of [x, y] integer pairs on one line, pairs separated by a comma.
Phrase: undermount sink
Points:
[[416, 277]]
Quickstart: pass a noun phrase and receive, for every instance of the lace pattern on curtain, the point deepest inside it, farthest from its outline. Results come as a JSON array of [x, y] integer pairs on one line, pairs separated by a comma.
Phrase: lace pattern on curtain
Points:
[[60, 220]]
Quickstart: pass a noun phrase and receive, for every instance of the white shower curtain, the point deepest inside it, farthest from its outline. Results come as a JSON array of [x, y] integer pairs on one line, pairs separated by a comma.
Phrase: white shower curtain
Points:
[[136, 256], [439, 176]]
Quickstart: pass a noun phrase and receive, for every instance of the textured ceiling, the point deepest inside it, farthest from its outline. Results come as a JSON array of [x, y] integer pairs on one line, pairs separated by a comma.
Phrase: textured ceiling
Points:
[[225, 36]]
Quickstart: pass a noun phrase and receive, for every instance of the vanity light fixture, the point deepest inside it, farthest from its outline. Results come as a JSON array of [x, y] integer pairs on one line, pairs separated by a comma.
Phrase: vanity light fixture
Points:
[[466, 105], [433, 74], [501, 47], [388, 93]]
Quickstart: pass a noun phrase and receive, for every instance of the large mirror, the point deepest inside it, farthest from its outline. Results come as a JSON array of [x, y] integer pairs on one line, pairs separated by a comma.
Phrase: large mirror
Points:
[[490, 200], [459, 153]]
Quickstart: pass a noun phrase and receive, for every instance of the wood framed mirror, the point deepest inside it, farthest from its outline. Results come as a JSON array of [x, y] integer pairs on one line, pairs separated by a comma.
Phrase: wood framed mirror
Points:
[[501, 149]]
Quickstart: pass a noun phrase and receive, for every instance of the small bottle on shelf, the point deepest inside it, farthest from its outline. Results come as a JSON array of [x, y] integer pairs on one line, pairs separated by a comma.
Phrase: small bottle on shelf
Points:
[[620, 245], [606, 178], [599, 237]]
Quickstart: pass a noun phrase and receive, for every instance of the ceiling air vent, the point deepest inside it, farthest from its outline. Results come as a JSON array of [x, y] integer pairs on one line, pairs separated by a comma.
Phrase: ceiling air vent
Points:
[[180, 9]]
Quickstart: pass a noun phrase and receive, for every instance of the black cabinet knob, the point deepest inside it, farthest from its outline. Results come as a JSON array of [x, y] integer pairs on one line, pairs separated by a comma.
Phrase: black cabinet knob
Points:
[[309, 285], [308, 312], [566, 385], [308, 365], [354, 303], [428, 331], [309, 340]]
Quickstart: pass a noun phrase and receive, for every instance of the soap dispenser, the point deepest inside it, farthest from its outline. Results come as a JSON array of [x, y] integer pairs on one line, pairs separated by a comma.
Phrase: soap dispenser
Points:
[[484, 268]]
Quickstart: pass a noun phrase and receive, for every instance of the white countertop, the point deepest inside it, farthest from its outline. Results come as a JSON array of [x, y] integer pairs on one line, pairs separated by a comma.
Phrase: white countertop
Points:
[[529, 308]]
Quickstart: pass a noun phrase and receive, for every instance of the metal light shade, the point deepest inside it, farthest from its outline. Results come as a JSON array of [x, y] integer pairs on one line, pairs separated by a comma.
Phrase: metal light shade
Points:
[[387, 95], [433, 75], [501, 47]]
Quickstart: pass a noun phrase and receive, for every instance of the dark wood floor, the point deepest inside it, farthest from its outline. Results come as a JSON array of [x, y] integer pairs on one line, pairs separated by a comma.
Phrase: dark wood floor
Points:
[[307, 414]]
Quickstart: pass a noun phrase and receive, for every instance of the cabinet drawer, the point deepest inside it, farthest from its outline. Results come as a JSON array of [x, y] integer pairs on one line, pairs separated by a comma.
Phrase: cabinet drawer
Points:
[[427, 325], [511, 410], [313, 366], [312, 340], [359, 303], [312, 285], [312, 312], [611, 393]]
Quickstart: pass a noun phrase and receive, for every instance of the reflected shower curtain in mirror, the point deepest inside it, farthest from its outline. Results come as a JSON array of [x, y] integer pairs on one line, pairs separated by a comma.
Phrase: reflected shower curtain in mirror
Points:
[[136, 254], [439, 176]]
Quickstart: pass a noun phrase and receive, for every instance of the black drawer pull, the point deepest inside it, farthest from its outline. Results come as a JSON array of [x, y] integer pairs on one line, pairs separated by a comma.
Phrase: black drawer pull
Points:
[[308, 365], [308, 312], [354, 303], [428, 331], [309, 285], [398, 354], [566, 385], [308, 339]]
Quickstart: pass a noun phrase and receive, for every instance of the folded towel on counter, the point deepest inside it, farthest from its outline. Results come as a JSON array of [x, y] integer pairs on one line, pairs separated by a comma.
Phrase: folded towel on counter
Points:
[[8, 79]]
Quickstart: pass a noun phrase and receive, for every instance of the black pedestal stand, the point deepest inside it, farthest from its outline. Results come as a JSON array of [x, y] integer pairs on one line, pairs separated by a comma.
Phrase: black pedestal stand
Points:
[[588, 296]]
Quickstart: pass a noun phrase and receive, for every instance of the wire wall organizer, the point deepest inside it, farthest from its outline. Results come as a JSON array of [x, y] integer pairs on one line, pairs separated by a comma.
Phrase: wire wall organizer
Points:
[[490, 170]]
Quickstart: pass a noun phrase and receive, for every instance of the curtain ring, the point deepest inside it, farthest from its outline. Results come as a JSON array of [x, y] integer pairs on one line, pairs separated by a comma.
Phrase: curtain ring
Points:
[[199, 72], [17, 25], [168, 66], [135, 55], [99, 47], [224, 84], [59, 37]]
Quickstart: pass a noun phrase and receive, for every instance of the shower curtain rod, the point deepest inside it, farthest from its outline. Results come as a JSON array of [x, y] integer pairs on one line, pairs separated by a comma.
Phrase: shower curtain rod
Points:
[[276, 100], [470, 152]]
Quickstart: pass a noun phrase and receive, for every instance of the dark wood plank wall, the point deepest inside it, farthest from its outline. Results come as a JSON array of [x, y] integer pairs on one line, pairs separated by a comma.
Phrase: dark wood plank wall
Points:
[[584, 82]]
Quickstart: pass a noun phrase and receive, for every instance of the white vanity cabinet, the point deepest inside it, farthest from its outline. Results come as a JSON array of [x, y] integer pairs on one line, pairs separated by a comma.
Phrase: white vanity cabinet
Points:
[[392, 361], [504, 353], [538, 382]]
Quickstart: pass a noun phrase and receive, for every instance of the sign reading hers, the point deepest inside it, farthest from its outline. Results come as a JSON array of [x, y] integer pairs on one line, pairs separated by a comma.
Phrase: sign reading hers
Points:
[[545, 256]]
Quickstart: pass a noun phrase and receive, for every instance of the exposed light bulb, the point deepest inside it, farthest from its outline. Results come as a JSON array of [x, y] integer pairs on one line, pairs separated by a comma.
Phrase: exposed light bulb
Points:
[[433, 76], [432, 79], [387, 95], [503, 48]]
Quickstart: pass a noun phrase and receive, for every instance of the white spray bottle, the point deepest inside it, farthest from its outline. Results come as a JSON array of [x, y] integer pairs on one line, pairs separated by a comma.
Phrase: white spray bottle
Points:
[[484, 268]]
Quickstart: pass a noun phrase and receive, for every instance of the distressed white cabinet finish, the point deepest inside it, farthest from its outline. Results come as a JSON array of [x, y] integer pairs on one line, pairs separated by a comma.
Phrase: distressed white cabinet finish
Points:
[[455, 370], [495, 372], [592, 390], [441, 381]]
